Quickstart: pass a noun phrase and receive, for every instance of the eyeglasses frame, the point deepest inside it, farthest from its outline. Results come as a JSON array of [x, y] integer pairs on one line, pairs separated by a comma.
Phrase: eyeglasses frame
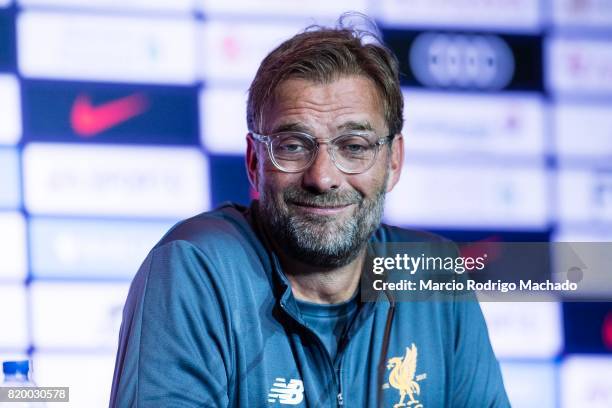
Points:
[[268, 139]]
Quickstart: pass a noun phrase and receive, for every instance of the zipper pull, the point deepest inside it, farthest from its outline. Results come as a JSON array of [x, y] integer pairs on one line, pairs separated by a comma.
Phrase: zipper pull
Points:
[[340, 399]]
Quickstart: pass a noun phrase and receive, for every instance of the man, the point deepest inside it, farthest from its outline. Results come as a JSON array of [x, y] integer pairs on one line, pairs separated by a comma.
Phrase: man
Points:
[[261, 306]]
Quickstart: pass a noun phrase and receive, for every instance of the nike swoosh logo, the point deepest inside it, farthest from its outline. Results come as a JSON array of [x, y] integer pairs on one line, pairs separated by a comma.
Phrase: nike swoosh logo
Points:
[[88, 120]]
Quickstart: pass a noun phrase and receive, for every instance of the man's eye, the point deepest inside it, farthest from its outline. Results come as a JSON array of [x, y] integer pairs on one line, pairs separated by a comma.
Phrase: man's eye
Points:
[[291, 147], [354, 148]]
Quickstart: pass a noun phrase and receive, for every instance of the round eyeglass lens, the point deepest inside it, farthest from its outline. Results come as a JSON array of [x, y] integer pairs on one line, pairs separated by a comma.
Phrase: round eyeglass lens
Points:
[[293, 151], [354, 153]]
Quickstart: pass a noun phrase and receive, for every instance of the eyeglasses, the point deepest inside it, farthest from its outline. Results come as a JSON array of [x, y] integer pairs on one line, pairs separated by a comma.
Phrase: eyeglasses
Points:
[[351, 153]]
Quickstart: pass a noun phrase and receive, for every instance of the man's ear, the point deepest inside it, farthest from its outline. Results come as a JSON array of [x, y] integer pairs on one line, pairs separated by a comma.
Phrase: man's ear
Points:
[[397, 161], [252, 162]]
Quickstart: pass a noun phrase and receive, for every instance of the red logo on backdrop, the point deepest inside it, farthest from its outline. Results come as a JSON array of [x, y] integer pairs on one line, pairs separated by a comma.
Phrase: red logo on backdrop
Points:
[[88, 120], [231, 47], [488, 247]]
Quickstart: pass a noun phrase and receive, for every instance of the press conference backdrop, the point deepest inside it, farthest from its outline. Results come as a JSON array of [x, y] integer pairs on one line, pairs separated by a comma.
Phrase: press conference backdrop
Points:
[[119, 118]]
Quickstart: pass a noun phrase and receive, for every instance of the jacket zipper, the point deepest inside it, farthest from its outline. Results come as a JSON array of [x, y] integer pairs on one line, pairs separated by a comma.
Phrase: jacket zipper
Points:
[[335, 374], [339, 397], [338, 372]]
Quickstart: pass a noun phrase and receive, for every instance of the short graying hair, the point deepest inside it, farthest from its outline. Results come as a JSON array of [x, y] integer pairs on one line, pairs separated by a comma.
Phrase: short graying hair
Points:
[[322, 55]]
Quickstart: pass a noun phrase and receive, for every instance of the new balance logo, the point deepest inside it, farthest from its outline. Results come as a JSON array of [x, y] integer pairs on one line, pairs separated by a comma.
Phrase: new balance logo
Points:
[[291, 393]]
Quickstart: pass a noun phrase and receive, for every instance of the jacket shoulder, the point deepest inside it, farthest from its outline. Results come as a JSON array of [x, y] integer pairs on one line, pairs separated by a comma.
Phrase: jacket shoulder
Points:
[[226, 226]]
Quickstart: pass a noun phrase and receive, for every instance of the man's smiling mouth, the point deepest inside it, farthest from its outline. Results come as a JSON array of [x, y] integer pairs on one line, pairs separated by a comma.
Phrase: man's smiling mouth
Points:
[[320, 209]]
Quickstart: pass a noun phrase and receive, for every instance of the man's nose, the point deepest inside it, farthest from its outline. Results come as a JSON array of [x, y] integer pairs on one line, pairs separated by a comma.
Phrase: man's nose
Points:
[[322, 175]]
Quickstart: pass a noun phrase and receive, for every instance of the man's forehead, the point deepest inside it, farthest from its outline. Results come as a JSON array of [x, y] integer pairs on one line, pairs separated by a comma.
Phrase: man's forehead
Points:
[[340, 86], [350, 102]]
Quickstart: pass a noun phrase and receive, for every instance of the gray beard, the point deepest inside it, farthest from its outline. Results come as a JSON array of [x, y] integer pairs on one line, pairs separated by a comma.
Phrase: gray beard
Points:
[[320, 240]]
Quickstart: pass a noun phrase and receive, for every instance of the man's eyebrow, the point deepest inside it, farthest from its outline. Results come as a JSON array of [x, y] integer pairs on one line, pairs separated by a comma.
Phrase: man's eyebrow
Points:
[[352, 125], [346, 126], [291, 127]]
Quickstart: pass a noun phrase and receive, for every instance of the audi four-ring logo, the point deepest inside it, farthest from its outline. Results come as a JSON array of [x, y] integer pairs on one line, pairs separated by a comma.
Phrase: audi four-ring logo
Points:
[[462, 61]]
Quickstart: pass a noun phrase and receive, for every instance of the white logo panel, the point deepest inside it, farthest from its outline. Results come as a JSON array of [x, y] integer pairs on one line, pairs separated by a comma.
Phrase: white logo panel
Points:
[[89, 376], [583, 131], [223, 127], [582, 233], [68, 248], [294, 8], [106, 48], [530, 384], [580, 13], [124, 5], [13, 264], [85, 316], [524, 330], [448, 123], [585, 196], [10, 193], [13, 303], [481, 196], [115, 180], [517, 15], [586, 382], [233, 52], [576, 66], [10, 110]]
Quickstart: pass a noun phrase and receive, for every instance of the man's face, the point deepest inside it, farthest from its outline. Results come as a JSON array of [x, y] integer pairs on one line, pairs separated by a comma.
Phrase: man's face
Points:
[[322, 216]]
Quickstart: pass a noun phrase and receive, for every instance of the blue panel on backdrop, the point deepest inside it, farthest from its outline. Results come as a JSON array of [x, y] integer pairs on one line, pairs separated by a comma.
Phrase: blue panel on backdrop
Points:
[[229, 181], [7, 40], [110, 113], [588, 327], [467, 61]]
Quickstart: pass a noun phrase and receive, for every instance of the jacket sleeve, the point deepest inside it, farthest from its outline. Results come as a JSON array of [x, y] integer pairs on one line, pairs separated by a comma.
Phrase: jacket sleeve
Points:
[[174, 341], [477, 377]]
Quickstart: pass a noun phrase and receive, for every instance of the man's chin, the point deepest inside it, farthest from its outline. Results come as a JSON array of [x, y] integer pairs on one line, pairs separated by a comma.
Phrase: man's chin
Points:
[[322, 255], [320, 226], [324, 242]]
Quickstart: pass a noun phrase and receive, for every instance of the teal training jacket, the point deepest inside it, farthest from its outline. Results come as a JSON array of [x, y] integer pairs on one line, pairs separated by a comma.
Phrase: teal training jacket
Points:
[[210, 321]]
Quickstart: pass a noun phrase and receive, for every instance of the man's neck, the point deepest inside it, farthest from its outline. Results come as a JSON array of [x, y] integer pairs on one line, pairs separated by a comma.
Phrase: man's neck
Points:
[[322, 285]]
